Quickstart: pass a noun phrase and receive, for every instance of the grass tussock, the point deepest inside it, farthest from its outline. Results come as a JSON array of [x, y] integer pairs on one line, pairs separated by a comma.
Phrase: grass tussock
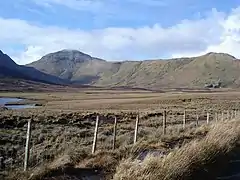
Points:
[[188, 162], [68, 150]]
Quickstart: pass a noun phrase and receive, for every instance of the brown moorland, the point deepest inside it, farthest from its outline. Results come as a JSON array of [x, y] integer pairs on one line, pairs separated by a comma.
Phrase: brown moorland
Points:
[[63, 128]]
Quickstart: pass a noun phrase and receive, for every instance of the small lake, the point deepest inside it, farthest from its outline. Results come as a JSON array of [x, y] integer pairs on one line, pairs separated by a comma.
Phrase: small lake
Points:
[[4, 100]]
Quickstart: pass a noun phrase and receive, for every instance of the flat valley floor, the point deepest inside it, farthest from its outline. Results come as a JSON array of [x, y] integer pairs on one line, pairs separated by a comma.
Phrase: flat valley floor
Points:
[[64, 122]]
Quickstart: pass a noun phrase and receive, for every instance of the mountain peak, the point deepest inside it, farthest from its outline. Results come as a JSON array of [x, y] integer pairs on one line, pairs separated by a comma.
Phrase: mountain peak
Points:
[[220, 54], [66, 55], [71, 51]]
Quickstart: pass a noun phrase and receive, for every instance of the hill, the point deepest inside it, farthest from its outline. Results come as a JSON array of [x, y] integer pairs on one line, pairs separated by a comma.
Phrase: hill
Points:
[[10, 70], [73, 65], [191, 72]]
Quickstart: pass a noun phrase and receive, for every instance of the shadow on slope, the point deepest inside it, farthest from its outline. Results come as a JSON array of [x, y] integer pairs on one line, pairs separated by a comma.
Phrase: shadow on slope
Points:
[[74, 173]]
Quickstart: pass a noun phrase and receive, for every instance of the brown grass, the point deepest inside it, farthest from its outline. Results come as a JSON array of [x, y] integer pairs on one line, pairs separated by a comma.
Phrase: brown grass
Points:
[[115, 101], [63, 128], [191, 161], [57, 146]]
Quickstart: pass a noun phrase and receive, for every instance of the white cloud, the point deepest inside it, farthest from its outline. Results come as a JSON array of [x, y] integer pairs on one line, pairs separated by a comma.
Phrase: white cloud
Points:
[[218, 32], [229, 37]]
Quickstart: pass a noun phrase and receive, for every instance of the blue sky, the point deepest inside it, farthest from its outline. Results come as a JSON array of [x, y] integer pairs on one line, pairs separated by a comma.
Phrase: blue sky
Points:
[[119, 30]]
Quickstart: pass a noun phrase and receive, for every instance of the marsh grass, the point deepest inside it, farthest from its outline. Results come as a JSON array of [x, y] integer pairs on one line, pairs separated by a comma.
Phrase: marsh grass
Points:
[[63, 133], [197, 159]]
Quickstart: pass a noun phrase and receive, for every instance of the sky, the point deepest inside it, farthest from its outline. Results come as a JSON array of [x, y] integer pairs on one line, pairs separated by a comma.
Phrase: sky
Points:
[[118, 30]]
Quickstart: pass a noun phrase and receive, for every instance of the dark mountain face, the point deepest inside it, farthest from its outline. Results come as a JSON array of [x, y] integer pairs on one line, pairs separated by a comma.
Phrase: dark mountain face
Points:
[[9, 69], [6, 61]]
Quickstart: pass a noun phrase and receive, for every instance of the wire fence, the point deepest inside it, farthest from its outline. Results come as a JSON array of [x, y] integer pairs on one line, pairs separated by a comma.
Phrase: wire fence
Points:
[[53, 138]]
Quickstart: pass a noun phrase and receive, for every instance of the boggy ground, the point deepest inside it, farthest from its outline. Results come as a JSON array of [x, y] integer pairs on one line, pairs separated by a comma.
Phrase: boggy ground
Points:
[[209, 158], [63, 128]]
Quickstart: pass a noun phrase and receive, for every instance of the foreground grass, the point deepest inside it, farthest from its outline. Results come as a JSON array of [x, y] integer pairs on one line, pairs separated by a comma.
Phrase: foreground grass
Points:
[[199, 159], [185, 158], [193, 158], [72, 148]]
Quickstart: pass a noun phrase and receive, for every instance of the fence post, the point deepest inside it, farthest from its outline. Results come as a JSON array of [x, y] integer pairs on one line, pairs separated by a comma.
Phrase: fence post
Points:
[[27, 148], [184, 118], [222, 116], [114, 132], [197, 119], [164, 122], [207, 117], [235, 113], [228, 115], [136, 129], [232, 114], [95, 136], [216, 117]]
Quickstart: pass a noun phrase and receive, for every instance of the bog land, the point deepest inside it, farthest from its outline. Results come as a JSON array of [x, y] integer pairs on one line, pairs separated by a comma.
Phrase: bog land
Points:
[[201, 128]]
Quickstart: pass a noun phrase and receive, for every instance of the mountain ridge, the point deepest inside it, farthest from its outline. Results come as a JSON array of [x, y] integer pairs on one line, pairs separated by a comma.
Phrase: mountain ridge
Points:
[[82, 68], [74, 67]]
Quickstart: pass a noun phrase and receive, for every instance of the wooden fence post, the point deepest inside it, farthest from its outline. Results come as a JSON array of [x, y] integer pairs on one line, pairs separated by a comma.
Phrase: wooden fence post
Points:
[[222, 116], [197, 119], [216, 117], [228, 115], [95, 136], [27, 148], [184, 119], [164, 122], [235, 113], [114, 132], [207, 117], [232, 114], [136, 129]]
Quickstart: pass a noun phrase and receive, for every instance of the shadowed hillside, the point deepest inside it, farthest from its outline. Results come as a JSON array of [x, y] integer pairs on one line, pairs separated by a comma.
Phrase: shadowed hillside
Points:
[[9, 69]]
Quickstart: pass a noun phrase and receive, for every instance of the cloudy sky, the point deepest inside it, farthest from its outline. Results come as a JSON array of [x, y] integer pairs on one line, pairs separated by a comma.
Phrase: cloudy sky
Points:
[[119, 29]]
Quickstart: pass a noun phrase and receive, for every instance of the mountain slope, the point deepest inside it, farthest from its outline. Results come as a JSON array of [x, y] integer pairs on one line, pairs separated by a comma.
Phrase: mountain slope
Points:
[[72, 65], [9, 69], [173, 73]]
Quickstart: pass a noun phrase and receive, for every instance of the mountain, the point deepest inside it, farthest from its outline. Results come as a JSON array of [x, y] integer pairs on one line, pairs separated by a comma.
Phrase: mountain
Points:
[[9, 69], [72, 65], [169, 73]]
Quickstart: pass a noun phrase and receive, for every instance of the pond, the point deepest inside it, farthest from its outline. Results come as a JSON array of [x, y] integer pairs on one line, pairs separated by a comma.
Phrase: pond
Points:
[[4, 101]]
